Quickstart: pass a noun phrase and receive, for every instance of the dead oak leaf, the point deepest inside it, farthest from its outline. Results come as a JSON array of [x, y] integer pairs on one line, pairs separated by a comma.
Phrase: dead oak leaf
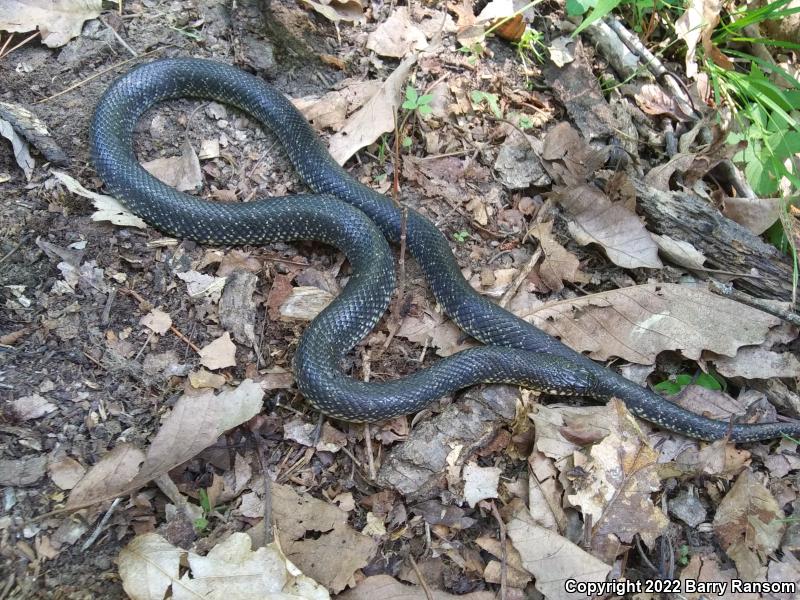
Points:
[[749, 524], [386, 587], [157, 321], [597, 220], [559, 264], [334, 553], [551, 558], [338, 10], [195, 423], [621, 475], [397, 35], [638, 322], [150, 567], [57, 20]]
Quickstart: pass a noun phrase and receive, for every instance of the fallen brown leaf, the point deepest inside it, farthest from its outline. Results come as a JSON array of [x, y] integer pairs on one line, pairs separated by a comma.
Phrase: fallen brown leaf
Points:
[[386, 587], [397, 35], [180, 172], [638, 322], [58, 20], [338, 10], [194, 424], [219, 354]]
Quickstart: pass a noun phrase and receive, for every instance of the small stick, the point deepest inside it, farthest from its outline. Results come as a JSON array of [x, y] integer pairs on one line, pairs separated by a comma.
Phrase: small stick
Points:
[[98, 74], [367, 431], [101, 525], [119, 37], [20, 45], [503, 552], [523, 274], [422, 582], [768, 307], [267, 514]]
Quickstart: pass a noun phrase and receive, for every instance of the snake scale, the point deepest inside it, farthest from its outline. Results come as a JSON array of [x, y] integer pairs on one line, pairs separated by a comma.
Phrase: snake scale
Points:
[[360, 222]]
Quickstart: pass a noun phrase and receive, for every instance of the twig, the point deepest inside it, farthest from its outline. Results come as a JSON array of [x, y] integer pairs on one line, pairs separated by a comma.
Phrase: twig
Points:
[[116, 34], [521, 276], [728, 291], [8, 254], [101, 525], [420, 578], [267, 514], [139, 298], [367, 430], [98, 74], [20, 45], [503, 552]]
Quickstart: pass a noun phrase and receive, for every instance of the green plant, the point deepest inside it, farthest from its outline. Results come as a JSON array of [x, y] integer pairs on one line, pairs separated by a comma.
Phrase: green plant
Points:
[[673, 386], [531, 44], [491, 100], [201, 523], [683, 555], [476, 51], [461, 236], [415, 102]]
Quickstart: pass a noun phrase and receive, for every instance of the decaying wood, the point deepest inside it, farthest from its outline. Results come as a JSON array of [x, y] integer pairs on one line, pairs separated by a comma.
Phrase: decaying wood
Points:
[[727, 245]]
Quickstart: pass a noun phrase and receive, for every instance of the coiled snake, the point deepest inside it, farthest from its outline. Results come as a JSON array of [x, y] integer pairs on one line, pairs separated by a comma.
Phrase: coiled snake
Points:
[[346, 214]]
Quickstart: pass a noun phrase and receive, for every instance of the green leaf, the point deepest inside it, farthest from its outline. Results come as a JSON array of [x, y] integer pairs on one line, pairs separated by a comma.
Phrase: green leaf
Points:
[[598, 12], [424, 109], [424, 99], [407, 141], [708, 381], [412, 94], [576, 8], [200, 524]]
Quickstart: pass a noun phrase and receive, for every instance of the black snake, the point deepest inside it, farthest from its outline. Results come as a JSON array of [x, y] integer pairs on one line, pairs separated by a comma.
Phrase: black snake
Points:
[[346, 214]]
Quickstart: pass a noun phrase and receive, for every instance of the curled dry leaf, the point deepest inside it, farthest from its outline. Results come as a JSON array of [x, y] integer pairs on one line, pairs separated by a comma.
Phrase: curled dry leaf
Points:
[[754, 362], [612, 226], [58, 20], [397, 35], [551, 558], [150, 569], [373, 119], [694, 25], [107, 208], [331, 110], [757, 214], [201, 284], [22, 153], [559, 264], [194, 424], [679, 252], [638, 322]]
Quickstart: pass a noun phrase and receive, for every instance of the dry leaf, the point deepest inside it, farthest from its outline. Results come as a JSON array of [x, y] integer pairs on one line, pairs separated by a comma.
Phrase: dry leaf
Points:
[[757, 214], [180, 172], [334, 552], [749, 524], [431, 329], [107, 208], [157, 321], [66, 472], [386, 587], [397, 35], [219, 354], [149, 567], [480, 483], [616, 229], [200, 284], [19, 145], [559, 264], [373, 119], [31, 407], [552, 559], [679, 252], [638, 322], [655, 101], [338, 10], [58, 20], [305, 303], [563, 430], [194, 424], [206, 379], [331, 110], [698, 22], [620, 477], [544, 492], [755, 362]]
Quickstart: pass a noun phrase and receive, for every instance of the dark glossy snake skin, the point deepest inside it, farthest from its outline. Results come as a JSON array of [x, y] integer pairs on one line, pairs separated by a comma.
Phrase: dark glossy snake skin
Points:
[[359, 221]]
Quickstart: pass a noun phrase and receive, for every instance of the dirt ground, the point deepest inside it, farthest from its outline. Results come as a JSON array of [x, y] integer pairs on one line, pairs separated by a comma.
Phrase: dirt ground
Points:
[[110, 380]]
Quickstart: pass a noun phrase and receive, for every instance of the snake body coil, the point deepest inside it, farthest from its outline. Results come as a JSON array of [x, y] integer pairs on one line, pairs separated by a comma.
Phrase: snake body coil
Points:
[[358, 221]]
